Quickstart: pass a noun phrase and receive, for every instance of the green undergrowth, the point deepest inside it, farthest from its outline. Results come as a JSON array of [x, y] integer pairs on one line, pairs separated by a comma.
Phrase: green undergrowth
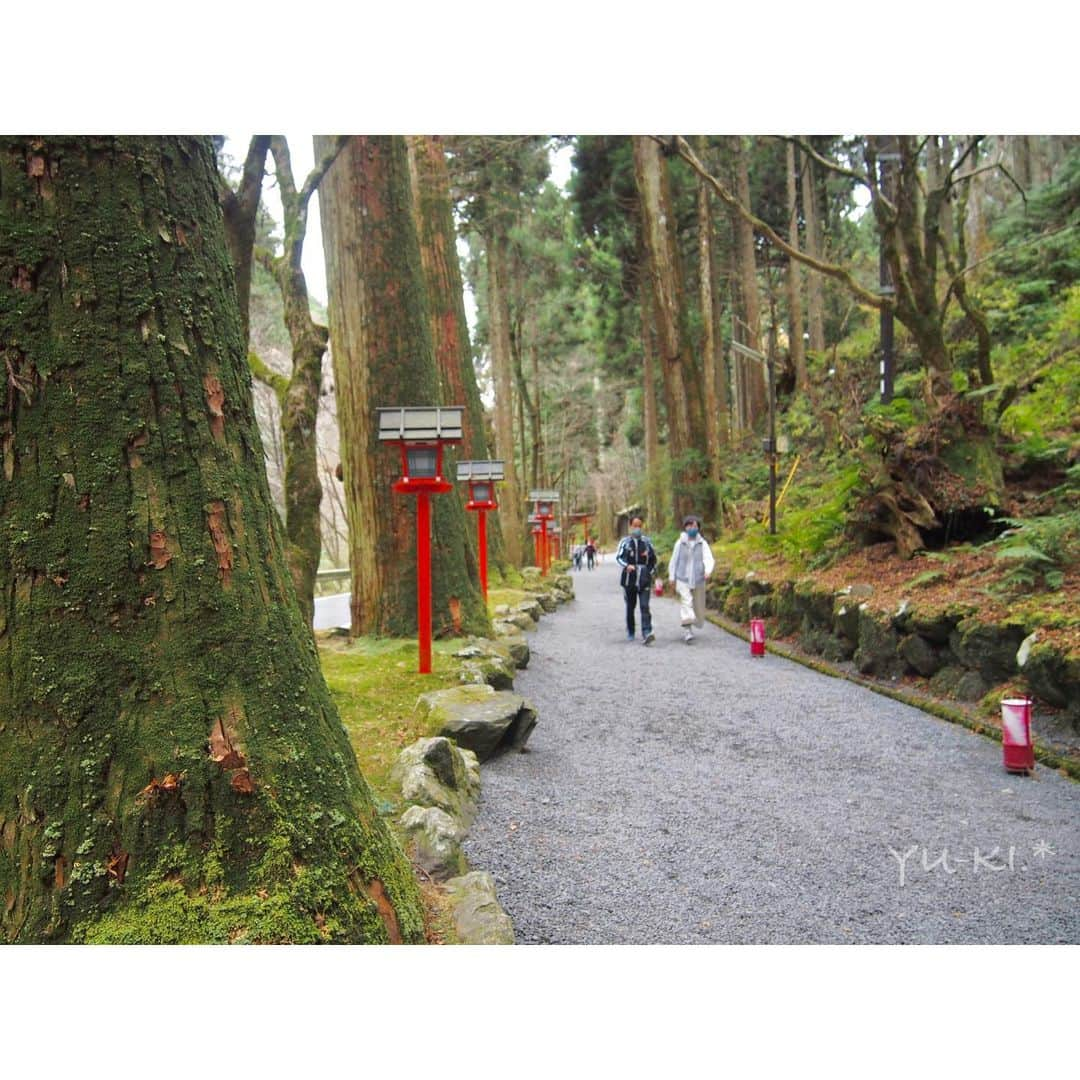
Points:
[[811, 521], [375, 686]]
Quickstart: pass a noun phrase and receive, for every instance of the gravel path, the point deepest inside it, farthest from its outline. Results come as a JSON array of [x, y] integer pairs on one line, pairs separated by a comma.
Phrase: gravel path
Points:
[[691, 793]]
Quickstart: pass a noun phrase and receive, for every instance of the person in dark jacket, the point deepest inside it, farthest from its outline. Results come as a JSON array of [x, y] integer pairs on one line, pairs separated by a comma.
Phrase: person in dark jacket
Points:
[[637, 558]]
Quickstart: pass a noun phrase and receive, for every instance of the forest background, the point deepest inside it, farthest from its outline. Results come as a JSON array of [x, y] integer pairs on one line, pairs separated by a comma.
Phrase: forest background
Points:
[[983, 82]]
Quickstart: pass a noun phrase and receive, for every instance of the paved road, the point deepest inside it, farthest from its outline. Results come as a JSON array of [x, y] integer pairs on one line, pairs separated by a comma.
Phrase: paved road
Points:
[[691, 793]]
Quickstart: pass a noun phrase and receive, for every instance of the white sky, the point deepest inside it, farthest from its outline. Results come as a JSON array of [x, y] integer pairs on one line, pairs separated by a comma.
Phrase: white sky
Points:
[[302, 153]]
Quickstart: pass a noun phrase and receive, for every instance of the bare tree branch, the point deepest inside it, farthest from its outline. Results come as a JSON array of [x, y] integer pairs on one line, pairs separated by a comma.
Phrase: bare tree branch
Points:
[[314, 178], [824, 162], [829, 269]]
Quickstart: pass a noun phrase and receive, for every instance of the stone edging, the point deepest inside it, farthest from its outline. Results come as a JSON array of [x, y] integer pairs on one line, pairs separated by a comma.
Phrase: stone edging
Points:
[[936, 708], [439, 777]]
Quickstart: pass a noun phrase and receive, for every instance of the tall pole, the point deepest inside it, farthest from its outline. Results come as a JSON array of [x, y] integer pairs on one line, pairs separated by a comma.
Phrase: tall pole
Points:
[[543, 547], [481, 539], [423, 579]]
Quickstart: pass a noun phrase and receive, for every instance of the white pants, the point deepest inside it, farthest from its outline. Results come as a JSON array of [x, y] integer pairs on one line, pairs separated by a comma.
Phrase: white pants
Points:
[[691, 603]]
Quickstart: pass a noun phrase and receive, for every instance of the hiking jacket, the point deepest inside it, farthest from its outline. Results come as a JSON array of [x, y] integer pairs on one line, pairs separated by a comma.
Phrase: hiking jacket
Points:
[[691, 561], [637, 557]]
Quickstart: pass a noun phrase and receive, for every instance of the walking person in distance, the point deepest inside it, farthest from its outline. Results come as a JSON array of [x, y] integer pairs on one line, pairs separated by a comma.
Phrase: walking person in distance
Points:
[[637, 557], [690, 566]]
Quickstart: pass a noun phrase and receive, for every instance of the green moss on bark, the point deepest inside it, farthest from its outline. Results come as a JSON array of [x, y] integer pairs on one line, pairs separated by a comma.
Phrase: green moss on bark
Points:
[[166, 736], [384, 356]]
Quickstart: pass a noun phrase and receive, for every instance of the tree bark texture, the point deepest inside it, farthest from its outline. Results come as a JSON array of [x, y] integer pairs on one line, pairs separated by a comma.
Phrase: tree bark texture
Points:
[[172, 767], [815, 297], [652, 437], [240, 209], [511, 494], [681, 393], [446, 296], [715, 424], [298, 395], [752, 372], [794, 277], [383, 356]]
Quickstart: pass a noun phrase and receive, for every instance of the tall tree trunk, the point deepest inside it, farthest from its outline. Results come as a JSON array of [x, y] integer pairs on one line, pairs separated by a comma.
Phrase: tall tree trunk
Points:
[[240, 209], [794, 278], [513, 523], [172, 767], [665, 277], [298, 396], [1021, 156], [713, 428], [815, 300], [652, 437], [446, 294], [752, 373], [383, 356]]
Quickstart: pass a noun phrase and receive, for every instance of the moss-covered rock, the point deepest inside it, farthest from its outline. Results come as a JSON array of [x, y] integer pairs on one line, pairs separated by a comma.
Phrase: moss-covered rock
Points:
[[845, 621], [437, 772], [480, 718], [814, 603], [762, 605], [511, 636], [485, 661], [436, 839], [478, 917], [937, 625], [988, 648], [1054, 677], [787, 613], [877, 650], [945, 680], [920, 655], [828, 646], [737, 603]]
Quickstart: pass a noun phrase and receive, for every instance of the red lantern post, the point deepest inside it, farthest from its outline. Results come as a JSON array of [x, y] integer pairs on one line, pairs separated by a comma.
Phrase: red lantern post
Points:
[[421, 434], [544, 502], [481, 477]]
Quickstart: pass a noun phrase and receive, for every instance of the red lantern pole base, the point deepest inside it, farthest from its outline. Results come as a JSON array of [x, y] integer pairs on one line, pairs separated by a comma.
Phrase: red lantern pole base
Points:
[[423, 580], [481, 541], [757, 637]]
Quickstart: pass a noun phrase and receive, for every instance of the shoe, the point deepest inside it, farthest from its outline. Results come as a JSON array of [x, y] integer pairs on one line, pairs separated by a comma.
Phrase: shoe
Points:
[[649, 638], [630, 635], [688, 636]]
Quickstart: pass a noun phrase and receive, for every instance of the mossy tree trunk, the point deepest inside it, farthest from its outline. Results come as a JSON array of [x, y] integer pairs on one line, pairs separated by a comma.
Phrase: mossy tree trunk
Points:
[[682, 391], [752, 373], [241, 208], [715, 422], [446, 296], [794, 278], [815, 287], [383, 356], [511, 497], [298, 396], [172, 767]]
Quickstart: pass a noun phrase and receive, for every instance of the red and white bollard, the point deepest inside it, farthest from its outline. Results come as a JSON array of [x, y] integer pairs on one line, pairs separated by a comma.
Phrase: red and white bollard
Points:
[[757, 637], [1017, 748]]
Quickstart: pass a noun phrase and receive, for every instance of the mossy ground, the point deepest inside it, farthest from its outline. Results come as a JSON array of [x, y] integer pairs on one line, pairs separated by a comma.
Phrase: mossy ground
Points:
[[375, 684]]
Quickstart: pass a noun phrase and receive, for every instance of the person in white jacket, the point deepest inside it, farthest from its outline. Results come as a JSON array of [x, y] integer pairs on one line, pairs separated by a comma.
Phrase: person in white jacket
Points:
[[691, 564]]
